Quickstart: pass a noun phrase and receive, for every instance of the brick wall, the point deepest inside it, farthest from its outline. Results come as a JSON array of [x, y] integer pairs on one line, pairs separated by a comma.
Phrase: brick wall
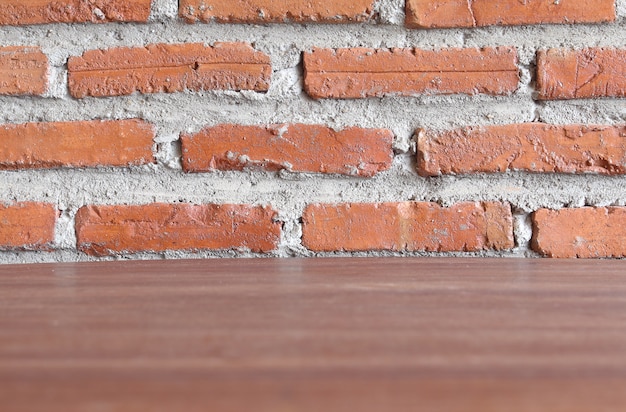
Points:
[[205, 128]]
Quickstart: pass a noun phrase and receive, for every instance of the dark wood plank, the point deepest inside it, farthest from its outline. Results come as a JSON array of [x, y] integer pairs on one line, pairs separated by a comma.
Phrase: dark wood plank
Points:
[[311, 335]]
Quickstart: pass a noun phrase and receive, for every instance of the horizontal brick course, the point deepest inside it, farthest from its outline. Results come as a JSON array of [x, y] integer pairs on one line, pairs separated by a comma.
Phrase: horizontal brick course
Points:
[[586, 232], [272, 11], [295, 147], [27, 225], [76, 144], [20, 12], [476, 13], [407, 226], [576, 74], [23, 71], [107, 230], [532, 147], [362, 72], [168, 68]]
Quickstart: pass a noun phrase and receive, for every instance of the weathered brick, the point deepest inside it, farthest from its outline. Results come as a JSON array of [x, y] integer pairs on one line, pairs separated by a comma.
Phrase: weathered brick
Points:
[[476, 13], [20, 12], [168, 68], [408, 226], [586, 232], [23, 71], [532, 147], [272, 11], [295, 147], [27, 225], [107, 230], [76, 144], [362, 72], [577, 74]]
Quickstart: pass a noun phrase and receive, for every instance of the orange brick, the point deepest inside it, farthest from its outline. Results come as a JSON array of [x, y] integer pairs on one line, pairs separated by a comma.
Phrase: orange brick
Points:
[[168, 68], [408, 226], [19, 12], [106, 230], [23, 71], [532, 147], [295, 147], [76, 144], [361, 72], [476, 13], [272, 11], [585, 232], [576, 74], [27, 225]]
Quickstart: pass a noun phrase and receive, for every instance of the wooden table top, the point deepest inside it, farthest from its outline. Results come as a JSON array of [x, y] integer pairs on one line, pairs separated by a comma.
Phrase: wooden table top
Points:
[[314, 335]]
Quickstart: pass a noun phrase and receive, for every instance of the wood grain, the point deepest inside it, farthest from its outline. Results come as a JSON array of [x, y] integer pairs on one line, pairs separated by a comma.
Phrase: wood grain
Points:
[[311, 335]]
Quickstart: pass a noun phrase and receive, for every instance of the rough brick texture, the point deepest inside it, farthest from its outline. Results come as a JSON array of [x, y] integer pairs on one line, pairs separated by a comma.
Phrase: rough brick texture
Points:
[[168, 68], [76, 144], [408, 226], [105, 230], [475, 13], [266, 11], [587, 73], [532, 147], [19, 12], [295, 147], [585, 232], [27, 225], [23, 71], [363, 72]]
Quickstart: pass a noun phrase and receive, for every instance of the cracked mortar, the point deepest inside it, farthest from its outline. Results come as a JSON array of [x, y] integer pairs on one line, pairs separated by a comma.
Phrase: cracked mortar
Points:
[[285, 102]]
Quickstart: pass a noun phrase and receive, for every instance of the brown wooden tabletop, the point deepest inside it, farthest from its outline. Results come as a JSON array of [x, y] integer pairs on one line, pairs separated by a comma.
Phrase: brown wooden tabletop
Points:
[[314, 335]]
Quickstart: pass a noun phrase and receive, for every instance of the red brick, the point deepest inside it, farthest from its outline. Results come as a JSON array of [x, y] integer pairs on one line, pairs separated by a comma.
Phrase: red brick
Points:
[[168, 68], [476, 13], [361, 72], [532, 147], [295, 147], [23, 71], [76, 144], [586, 232], [408, 226], [272, 11], [107, 230], [19, 12], [27, 225], [577, 74]]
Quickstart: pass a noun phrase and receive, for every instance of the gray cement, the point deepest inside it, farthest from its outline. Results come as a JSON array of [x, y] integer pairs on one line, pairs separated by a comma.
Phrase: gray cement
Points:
[[288, 192]]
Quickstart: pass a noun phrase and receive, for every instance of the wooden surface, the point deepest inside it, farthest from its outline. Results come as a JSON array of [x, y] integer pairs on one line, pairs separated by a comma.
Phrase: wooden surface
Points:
[[314, 335]]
